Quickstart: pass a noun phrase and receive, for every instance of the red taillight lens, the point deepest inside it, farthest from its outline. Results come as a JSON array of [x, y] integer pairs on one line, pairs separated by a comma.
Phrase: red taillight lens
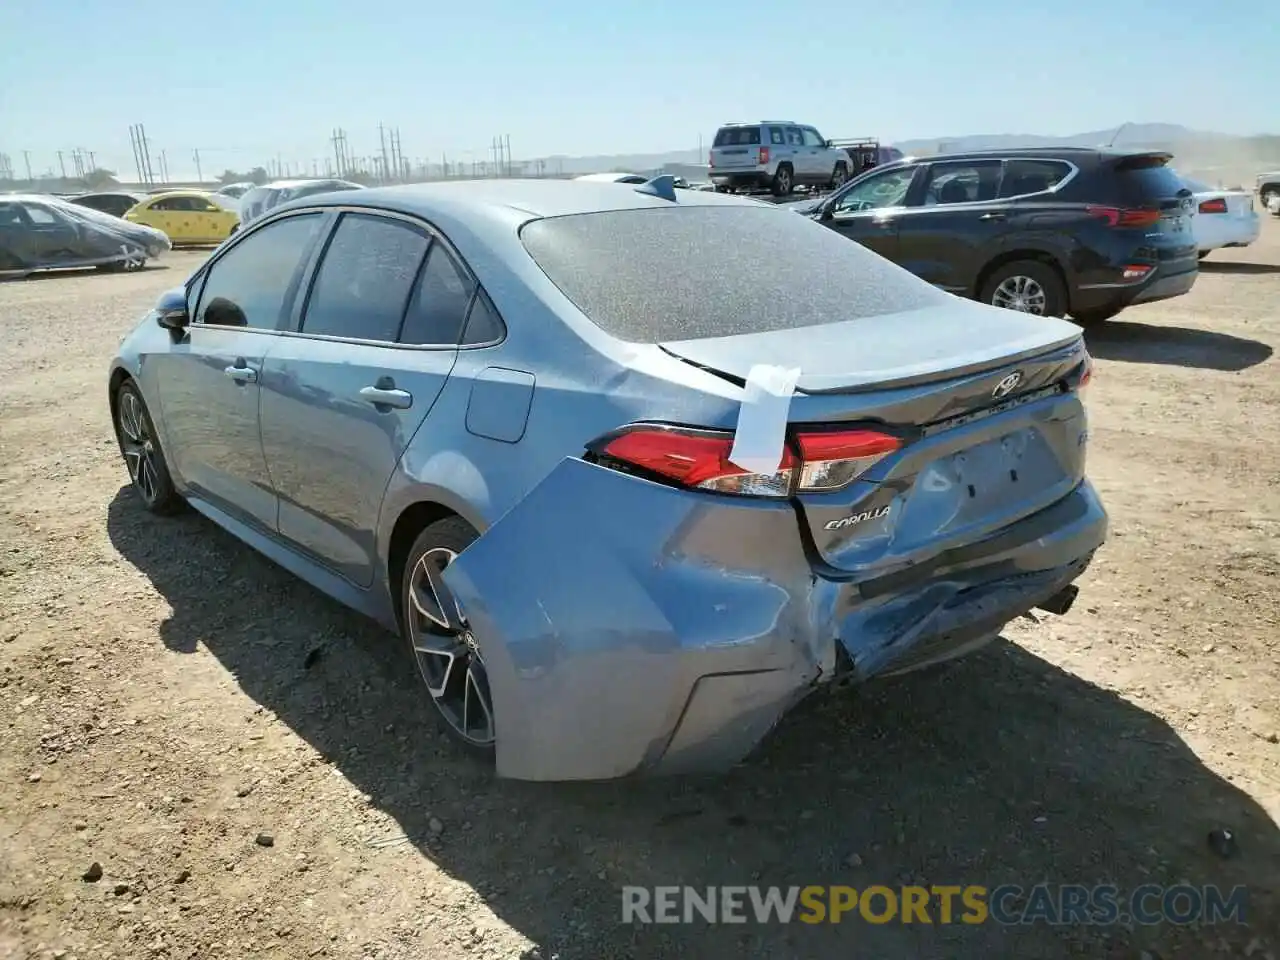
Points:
[[1122, 217], [1086, 374], [832, 460], [1216, 205], [699, 459], [764, 155]]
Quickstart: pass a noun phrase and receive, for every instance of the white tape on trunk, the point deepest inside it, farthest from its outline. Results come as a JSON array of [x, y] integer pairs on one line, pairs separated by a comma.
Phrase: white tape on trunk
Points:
[[762, 418]]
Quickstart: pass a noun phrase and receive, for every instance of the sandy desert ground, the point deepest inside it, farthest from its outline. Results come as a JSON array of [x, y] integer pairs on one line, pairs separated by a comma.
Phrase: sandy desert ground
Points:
[[168, 696]]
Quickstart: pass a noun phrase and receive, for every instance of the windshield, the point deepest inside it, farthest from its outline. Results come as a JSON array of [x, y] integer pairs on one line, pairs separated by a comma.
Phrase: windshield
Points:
[[677, 273]]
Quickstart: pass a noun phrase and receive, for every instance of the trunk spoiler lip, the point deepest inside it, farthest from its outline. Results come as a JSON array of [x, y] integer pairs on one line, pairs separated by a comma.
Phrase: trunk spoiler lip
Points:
[[903, 377]]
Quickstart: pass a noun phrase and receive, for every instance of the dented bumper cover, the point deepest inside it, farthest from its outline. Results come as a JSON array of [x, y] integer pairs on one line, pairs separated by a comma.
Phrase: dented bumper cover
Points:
[[627, 626]]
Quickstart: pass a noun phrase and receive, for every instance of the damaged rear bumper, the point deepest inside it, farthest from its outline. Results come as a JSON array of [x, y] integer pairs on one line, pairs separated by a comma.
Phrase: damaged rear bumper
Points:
[[627, 626]]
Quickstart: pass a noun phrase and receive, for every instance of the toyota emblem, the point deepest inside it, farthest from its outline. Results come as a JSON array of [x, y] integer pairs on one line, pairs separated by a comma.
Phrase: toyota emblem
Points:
[[1007, 385]]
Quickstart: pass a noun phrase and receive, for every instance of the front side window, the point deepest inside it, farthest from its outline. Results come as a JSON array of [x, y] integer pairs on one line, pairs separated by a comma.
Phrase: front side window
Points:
[[167, 204], [250, 285], [888, 189], [962, 182], [812, 138], [364, 281]]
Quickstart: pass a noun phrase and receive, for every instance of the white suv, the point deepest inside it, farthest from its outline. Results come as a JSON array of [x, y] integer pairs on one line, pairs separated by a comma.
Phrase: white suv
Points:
[[778, 154]]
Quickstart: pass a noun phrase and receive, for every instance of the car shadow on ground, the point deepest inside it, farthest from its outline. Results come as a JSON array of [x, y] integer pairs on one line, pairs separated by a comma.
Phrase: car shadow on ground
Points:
[[72, 273], [1174, 346], [1234, 266], [999, 769]]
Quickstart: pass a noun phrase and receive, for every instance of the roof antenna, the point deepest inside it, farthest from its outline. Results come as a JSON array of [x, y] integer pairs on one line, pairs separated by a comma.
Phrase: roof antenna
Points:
[[663, 186], [1117, 133]]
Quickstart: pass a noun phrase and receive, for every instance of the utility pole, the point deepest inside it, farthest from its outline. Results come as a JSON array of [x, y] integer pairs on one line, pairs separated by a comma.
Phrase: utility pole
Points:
[[382, 139], [26, 156], [62, 165], [93, 162], [145, 151], [508, 154], [137, 152], [199, 172]]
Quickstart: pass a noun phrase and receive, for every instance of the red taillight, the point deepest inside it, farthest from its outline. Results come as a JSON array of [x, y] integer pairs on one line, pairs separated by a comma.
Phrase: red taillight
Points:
[[699, 459], [1135, 271], [1124, 217], [831, 460], [1086, 374], [1216, 205], [764, 155]]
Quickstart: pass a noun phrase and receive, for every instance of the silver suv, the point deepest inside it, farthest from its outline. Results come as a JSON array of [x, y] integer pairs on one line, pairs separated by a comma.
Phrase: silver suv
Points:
[[778, 154]]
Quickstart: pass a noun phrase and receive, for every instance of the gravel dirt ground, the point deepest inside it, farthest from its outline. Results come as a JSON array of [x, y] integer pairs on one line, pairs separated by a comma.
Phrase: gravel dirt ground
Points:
[[253, 769]]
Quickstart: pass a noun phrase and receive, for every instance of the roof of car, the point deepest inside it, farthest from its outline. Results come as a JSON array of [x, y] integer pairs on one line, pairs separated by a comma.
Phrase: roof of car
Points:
[[464, 199], [1066, 152], [164, 194]]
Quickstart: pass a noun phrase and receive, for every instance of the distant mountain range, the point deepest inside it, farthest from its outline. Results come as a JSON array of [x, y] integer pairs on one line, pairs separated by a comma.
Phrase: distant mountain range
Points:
[[1168, 136]]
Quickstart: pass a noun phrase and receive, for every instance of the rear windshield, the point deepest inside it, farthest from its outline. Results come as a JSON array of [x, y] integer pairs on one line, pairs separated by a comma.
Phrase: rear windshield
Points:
[[683, 273], [737, 137], [1147, 180]]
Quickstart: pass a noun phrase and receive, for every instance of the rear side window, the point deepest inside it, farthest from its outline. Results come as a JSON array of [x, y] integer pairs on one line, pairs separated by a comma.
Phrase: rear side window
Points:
[[1022, 177], [776, 136], [249, 286], [679, 273], [440, 308], [365, 278], [737, 137], [483, 323]]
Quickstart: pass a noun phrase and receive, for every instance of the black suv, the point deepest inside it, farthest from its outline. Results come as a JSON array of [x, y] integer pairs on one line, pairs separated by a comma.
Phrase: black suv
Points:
[[1053, 231]]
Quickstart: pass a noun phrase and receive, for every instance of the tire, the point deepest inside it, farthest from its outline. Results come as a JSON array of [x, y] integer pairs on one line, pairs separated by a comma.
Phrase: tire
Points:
[[447, 658], [784, 181], [1089, 318], [140, 446], [1265, 197], [1036, 285], [839, 175]]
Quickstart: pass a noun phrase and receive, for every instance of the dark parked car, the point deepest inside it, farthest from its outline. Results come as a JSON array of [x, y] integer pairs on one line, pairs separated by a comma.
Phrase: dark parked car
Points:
[[116, 203], [46, 233], [1051, 231]]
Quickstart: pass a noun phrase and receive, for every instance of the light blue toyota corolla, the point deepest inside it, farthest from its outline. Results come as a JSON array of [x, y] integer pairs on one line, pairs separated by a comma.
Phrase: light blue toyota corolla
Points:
[[631, 470]]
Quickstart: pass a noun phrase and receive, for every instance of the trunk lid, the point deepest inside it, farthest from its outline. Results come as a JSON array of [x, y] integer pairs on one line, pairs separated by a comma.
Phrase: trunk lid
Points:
[[890, 350], [991, 434]]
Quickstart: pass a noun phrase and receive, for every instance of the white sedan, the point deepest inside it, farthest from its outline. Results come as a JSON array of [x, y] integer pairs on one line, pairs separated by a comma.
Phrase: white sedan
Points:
[[1223, 218]]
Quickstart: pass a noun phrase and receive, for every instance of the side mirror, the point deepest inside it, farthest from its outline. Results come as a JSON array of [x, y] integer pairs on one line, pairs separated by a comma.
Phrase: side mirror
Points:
[[171, 310]]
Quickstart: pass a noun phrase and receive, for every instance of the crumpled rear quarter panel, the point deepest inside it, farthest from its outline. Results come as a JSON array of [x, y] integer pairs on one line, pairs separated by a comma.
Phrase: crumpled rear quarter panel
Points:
[[601, 599]]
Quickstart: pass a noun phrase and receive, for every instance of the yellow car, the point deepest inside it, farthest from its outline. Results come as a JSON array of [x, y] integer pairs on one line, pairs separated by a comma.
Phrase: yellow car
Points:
[[187, 216]]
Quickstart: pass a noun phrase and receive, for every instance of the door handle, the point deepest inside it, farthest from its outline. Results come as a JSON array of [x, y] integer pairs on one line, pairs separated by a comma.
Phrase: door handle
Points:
[[381, 395], [242, 374], [993, 216]]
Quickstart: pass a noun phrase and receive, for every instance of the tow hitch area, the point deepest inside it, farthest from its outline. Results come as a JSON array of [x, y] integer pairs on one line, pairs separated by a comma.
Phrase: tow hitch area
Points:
[[1061, 601]]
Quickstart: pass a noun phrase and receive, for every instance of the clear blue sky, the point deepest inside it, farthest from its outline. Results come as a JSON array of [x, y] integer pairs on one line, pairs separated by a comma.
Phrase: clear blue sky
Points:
[[247, 81]]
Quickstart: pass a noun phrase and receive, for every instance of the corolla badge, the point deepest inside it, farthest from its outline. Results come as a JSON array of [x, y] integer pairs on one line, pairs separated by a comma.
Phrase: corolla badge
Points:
[[856, 518], [1007, 385]]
